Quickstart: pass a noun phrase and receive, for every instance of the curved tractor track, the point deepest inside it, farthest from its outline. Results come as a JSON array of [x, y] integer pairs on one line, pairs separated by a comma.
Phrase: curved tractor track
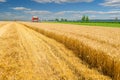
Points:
[[28, 55]]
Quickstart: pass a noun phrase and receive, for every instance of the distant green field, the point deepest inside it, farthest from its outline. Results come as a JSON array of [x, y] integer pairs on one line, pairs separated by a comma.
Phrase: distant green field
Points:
[[104, 24]]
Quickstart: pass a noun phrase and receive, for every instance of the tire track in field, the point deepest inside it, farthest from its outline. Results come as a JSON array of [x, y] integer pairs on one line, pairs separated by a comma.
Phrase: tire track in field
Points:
[[56, 59]]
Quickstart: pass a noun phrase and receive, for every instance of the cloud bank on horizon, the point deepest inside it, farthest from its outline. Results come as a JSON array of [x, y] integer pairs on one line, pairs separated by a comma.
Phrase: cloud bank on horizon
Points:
[[61, 1], [52, 9]]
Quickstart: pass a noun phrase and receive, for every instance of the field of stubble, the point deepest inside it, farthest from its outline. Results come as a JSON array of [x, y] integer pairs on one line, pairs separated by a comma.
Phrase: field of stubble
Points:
[[46, 51]]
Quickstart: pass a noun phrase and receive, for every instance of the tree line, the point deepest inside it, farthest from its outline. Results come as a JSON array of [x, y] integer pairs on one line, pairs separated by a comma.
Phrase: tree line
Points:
[[83, 19], [63, 20]]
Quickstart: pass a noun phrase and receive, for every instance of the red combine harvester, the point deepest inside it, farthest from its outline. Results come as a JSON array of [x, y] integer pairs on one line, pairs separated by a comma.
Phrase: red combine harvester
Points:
[[35, 19]]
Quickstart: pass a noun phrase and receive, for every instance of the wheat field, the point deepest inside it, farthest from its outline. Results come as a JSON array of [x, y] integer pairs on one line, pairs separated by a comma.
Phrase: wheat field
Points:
[[98, 46], [46, 51]]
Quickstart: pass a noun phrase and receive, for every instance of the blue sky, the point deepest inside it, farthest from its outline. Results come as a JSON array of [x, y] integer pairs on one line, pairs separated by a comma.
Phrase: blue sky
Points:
[[51, 9]]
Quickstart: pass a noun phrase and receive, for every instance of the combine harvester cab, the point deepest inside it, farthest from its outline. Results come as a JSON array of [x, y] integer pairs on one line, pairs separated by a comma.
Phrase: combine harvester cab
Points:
[[35, 19]]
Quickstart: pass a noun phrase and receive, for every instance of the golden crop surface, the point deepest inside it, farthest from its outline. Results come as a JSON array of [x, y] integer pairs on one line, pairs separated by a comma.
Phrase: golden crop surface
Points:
[[47, 51]]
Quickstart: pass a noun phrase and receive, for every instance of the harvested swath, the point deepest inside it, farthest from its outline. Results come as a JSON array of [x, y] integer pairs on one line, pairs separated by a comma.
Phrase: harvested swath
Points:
[[100, 51]]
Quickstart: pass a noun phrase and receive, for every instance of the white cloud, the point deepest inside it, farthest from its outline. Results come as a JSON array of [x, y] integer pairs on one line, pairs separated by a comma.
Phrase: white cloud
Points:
[[38, 12], [9, 16], [20, 8], [61, 1], [112, 3], [2, 0], [70, 15], [88, 12]]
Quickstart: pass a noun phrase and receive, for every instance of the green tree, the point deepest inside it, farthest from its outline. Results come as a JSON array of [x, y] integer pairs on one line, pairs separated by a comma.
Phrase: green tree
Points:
[[116, 19], [66, 20], [56, 19], [87, 19], [62, 19], [83, 18]]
